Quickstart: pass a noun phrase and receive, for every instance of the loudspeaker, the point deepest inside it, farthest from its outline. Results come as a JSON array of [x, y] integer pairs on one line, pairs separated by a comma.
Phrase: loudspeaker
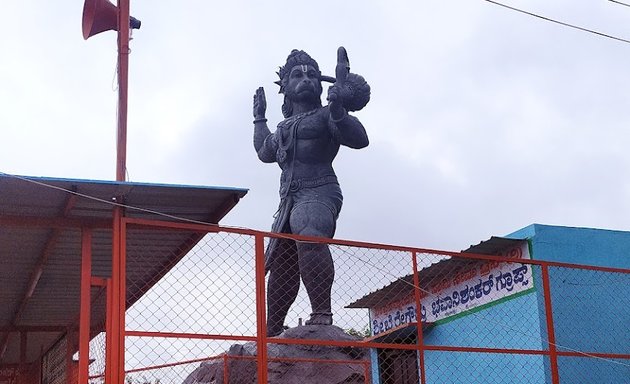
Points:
[[100, 16]]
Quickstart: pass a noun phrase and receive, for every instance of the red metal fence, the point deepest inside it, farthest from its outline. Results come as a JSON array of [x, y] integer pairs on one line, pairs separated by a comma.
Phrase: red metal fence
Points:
[[413, 316]]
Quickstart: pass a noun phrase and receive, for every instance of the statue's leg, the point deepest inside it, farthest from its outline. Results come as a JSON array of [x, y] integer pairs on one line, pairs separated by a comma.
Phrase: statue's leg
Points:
[[318, 273], [315, 261], [283, 286]]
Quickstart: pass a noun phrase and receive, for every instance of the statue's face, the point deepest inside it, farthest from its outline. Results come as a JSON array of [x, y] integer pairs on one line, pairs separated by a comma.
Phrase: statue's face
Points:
[[303, 84]]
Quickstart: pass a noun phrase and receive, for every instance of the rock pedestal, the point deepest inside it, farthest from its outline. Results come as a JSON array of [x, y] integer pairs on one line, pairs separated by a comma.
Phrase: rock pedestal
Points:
[[287, 362]]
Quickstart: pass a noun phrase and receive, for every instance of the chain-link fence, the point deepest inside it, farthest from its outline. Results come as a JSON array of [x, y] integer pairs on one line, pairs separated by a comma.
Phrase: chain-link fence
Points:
[[226, 312], [591, 316]]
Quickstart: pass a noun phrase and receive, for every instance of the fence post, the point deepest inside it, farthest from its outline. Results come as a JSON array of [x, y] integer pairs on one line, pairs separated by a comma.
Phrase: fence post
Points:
[[261, 339], [366, 372], [84, 317], [109, 324], [551, 337], [119, 298], [416, 292], [226, 377], [123, 298]]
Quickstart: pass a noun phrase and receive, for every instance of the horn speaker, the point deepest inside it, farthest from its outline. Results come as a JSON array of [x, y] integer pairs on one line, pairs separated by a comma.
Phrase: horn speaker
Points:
[[100, 16]]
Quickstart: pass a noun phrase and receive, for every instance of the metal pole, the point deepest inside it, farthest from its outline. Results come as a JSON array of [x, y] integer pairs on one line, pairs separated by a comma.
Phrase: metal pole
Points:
[[123, 76], [119, 300], [118, 251], [123, 296], [115, 348], [417, 298], [551, 336], [261, 317], [84, 319], [109, 325], [226, 373]]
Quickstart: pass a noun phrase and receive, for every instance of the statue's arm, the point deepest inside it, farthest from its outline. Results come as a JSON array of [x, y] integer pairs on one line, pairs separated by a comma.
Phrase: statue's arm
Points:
[[347, 129], [265, 142]]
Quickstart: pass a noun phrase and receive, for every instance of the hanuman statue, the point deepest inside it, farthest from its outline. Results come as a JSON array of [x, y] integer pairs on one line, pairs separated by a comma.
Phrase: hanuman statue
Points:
[[304, 145]]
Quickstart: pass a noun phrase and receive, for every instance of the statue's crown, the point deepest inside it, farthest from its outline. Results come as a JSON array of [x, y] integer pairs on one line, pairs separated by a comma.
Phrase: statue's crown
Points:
[[296, 57]]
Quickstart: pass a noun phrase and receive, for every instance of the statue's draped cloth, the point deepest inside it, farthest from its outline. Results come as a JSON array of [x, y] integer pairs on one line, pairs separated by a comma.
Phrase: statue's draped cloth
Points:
[[295, 191]]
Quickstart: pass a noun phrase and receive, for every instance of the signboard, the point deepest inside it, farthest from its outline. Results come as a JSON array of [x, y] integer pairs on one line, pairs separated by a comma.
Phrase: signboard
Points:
[[477, 286]]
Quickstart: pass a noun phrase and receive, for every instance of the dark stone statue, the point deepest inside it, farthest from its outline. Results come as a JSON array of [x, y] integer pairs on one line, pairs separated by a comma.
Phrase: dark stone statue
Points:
[[304, 145]]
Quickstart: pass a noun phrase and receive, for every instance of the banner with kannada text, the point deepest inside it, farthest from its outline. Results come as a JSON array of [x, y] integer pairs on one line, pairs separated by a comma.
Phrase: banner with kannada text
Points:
[[479, 285]]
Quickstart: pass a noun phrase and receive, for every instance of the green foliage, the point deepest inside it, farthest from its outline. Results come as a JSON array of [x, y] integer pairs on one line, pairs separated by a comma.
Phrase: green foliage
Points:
[[140, 380], [363, 333]]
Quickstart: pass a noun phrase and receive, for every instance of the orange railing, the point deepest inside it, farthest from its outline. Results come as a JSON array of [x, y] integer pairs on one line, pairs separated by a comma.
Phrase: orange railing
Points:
[[483, 318]]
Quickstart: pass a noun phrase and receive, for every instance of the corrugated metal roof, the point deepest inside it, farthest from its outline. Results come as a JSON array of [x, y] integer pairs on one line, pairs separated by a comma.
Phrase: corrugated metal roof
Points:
[[40, 220], [493, 246], [428, 276]]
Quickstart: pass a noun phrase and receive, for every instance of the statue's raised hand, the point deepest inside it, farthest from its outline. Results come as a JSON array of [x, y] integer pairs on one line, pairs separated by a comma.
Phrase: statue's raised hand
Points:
[[335, 102], [260, 103]]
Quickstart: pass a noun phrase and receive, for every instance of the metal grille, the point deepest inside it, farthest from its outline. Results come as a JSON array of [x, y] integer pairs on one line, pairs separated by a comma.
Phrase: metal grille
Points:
[[406, 315], [97, 359]]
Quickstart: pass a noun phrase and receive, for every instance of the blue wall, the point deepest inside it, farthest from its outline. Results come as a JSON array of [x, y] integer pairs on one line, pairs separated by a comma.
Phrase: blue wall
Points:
[[588, 246], [513, 324], [591, 308]]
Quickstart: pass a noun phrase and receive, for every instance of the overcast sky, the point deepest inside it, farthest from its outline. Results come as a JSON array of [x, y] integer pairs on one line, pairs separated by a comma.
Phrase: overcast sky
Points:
[[482, 120]]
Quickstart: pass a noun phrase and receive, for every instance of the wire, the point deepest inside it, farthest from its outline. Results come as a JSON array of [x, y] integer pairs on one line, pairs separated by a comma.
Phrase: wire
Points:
[[183, 219], [561, 22], [619, 2], [114, 78], [139, 209], [110, 202]]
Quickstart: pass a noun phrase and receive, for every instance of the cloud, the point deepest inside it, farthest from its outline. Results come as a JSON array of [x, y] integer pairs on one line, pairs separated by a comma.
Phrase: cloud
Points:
[[482, 120]]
